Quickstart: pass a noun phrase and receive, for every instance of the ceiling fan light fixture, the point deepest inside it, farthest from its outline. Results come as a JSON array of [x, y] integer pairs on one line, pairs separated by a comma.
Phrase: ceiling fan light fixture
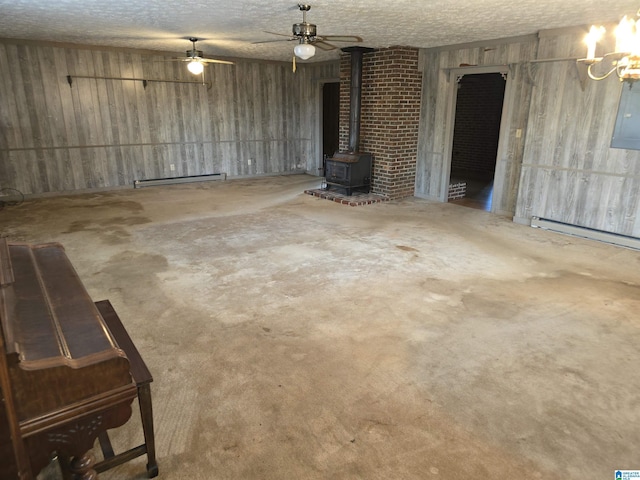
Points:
[[304, 51], [195, 67]]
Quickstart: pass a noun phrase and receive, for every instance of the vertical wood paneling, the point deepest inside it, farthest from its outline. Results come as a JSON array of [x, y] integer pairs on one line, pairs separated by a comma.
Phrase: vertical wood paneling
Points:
[[436, 97], [570, 174], [77, 120], [106, 133], [27, 121], [9, 130], [68, 134]]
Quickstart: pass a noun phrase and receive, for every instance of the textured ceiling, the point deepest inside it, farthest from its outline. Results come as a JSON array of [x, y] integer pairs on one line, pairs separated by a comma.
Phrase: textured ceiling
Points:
[[227, 27]]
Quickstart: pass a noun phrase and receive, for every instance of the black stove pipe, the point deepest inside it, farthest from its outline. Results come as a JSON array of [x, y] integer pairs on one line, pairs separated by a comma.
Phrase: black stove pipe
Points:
[[355, 95]]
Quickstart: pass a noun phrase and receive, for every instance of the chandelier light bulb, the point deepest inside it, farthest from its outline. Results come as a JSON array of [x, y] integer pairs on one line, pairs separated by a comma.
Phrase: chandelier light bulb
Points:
[[624, 61], [304, 51], [625, 35], [595, 34], [195, 67]]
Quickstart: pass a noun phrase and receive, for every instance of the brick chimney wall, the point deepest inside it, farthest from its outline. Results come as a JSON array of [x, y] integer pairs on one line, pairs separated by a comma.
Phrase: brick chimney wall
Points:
[[391, 90]]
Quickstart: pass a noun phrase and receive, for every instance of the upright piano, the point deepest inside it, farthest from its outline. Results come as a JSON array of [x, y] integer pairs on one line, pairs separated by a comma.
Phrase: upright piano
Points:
[[64, 377]]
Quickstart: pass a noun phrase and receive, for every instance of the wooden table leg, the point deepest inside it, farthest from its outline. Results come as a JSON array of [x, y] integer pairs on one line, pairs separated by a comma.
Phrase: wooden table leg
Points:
[[81, 468], [146, 413]]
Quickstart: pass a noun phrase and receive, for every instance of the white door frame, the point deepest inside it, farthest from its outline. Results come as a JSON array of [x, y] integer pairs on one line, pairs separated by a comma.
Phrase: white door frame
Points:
[[455, 74]]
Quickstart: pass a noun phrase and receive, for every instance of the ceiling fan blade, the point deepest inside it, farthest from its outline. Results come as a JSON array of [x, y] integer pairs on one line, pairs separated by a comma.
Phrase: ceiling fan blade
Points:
[[340, 38], [272, 41], [280, 34], [213, 60], [197, 59], [181, 59], [324, 45]]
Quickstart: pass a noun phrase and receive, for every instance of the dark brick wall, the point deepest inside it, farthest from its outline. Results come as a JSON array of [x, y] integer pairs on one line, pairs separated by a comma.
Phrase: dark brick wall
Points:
[[477, 125], [391, 90]]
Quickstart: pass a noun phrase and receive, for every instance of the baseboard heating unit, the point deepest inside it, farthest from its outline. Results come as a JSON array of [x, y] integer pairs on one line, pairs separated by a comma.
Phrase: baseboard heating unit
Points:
[[584, 232], [173, 180]]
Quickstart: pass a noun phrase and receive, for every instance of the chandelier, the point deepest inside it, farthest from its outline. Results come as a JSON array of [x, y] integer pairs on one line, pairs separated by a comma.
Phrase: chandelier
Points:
[[624, 61]]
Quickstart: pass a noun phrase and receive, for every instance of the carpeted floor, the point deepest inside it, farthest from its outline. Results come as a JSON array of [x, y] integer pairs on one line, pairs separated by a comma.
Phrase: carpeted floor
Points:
[[291, 337]]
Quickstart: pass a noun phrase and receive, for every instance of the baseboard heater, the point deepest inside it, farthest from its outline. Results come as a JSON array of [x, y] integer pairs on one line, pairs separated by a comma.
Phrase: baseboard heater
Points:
[[584, 232], [172, 180]]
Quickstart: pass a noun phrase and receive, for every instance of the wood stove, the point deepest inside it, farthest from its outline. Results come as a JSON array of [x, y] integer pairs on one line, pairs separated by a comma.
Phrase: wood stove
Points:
[[351, 170]]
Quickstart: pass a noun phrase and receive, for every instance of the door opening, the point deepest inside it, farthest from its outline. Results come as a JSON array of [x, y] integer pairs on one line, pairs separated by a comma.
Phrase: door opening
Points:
[[475, 139], [330, 121]]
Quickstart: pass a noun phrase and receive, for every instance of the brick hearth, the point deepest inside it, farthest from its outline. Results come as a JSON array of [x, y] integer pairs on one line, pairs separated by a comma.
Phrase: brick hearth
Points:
[[355, 200]]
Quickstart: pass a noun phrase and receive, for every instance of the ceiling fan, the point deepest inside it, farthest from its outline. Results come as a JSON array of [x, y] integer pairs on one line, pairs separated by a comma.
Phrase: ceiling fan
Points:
[[306, 35], [196, 60]]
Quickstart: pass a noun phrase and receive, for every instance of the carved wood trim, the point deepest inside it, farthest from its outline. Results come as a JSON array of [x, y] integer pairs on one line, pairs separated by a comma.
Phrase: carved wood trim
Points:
[[75, 438]]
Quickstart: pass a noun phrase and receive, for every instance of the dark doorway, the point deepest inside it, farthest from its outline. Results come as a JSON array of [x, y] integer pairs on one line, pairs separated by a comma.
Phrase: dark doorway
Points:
[[330, 120], [475, 137]]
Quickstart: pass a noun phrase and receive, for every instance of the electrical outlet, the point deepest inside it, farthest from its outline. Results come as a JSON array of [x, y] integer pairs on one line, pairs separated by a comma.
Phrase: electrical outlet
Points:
[[172, 167], [249, 162]]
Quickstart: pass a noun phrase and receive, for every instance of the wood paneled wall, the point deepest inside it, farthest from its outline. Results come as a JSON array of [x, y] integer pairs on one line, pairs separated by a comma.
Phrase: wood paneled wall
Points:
[[257, 118], [436, 119], [561, 167], [569, 173]]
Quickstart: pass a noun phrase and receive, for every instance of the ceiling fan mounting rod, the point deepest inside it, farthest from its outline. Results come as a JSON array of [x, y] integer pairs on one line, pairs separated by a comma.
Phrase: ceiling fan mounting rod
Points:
[[306, 32], [304, 9], [193, 53]]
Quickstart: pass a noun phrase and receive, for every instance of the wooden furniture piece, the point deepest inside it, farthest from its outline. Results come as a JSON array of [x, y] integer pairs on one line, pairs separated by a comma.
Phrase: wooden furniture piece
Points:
[[65, 377], [142, 378]]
